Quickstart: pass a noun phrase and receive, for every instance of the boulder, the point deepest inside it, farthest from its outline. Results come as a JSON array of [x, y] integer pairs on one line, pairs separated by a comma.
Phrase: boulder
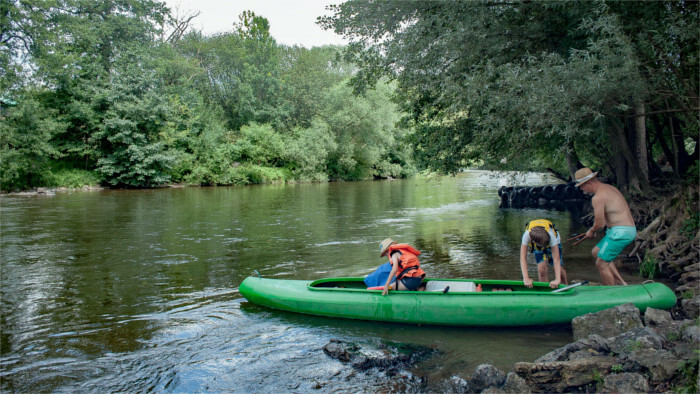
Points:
[[386, 358], [514, 384], [643, 338], [657, 317], [660, 364], [625, 383], [459, 385], [486, 375], [661, 322], [607, 323], [691, 306], [563, 375], [340, 350], [594, 342], [691, 333]]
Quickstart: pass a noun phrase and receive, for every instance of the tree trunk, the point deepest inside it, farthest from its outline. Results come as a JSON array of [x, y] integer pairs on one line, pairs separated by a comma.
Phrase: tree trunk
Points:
[[619, 140], [572, 161], [640, 139]]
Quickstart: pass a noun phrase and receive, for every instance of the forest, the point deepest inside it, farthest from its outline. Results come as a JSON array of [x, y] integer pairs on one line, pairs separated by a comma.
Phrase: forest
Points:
[[124, 94], [121, 93]]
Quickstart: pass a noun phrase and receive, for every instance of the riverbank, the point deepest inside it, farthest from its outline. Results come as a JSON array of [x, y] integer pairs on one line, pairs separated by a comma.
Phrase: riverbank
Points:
[[620, 350]]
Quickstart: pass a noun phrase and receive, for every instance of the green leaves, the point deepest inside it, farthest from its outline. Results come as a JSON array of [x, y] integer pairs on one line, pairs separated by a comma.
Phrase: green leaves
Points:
[[25, 149], [548, 76]]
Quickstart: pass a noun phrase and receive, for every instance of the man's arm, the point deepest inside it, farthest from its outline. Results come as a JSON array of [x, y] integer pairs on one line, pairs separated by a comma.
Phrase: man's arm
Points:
[[599, 213]]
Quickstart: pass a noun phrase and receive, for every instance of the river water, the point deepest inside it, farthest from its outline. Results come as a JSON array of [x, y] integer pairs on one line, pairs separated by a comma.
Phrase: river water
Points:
[[135, 290]]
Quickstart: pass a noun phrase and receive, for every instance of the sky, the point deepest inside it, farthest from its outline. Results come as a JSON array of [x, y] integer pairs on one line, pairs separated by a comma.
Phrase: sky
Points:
[[292, 22]]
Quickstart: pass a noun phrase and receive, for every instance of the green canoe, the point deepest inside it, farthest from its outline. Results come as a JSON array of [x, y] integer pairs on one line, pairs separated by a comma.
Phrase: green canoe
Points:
[[499, 303]]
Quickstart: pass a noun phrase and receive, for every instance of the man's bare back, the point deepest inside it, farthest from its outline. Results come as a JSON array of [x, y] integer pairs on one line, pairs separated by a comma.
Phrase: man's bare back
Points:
[[615, 208]]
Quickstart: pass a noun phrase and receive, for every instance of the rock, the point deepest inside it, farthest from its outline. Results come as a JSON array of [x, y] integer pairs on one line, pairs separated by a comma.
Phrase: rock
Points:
[[693, 287], [657, 317], [684, 351], [661, 322], [563, 375], [661, 364], [594, 342], [691, 333], [607, 323], [643, 338], [492, 390], [515, 384], [690, 276], [389, 359], [340, 350], [459, 385], [625, 383], [691, 307], [486, 375]]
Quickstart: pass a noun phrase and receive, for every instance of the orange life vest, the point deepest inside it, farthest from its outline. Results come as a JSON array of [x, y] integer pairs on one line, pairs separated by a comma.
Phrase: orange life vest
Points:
[[409, 265]]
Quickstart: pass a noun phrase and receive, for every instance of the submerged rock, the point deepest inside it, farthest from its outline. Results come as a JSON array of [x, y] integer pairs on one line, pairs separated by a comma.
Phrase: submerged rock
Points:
[[388, 358]]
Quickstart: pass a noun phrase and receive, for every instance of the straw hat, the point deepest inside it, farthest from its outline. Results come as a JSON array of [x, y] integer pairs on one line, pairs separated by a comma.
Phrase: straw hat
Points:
[[584, 175], [384, 246]]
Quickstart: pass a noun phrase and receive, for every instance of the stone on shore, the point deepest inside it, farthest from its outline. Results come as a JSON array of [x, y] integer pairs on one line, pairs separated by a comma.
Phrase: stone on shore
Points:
[[607, 323]]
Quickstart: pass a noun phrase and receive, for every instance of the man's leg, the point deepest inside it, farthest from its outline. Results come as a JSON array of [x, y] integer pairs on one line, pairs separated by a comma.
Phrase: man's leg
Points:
[[616, 275], [607, 278]]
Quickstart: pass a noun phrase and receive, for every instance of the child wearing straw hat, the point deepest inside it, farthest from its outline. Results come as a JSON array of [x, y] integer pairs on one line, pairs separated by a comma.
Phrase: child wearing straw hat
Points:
[[405, 266]]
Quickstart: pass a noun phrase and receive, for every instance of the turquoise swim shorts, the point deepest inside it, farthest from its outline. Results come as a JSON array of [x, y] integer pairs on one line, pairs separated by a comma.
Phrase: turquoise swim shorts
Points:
[[615, 239]]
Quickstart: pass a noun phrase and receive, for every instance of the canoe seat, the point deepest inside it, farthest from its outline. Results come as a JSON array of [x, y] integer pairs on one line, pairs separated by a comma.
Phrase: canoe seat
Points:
[[439, 285]]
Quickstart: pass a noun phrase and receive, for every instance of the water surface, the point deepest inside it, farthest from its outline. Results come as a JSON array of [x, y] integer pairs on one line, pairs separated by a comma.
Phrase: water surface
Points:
[[131, 290]]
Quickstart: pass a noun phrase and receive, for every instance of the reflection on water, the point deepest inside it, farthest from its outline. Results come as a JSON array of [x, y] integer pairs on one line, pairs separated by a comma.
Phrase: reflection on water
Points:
[[137, 289]]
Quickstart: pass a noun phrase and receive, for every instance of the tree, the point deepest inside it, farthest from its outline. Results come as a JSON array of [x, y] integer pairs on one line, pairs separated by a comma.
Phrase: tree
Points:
[[549, 76], [132, 152], [25, 149]]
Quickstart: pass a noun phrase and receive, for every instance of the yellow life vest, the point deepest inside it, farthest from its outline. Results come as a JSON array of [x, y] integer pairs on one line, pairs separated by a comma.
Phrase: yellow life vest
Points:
[[548, 226]]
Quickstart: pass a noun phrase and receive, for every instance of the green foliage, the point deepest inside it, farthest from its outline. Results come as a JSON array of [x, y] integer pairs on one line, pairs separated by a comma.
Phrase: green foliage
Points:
[[634, 345], [259, 144], [121, 107], [616, 368], [308, 149], [514, 81], [649, 267], [689, 370], [132, 152], [74, 178], [25, 149]]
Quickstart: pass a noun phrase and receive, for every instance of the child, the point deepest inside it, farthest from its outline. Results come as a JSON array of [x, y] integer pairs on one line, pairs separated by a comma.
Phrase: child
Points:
[[405, 266], [545, 243]]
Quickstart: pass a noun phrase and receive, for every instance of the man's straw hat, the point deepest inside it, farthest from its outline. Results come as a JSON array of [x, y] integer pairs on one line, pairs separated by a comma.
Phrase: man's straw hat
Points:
[[584, 175], [384, 246]]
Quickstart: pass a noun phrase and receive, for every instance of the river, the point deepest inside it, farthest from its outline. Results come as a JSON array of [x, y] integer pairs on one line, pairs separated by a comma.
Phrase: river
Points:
[[137, 290]]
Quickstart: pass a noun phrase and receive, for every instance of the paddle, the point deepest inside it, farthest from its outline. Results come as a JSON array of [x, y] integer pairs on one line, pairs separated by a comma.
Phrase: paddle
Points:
[[570, 287], [578, 237]]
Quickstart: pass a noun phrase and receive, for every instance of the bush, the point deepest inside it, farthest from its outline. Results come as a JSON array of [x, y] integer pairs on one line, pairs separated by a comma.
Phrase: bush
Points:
[[74, 177]]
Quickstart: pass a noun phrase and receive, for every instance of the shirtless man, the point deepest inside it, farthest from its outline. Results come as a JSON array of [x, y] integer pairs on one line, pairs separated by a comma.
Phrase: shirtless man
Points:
[[611, 210]]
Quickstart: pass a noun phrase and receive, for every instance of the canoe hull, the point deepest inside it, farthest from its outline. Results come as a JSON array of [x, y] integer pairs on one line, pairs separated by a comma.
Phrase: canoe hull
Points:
[[519, 307]]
